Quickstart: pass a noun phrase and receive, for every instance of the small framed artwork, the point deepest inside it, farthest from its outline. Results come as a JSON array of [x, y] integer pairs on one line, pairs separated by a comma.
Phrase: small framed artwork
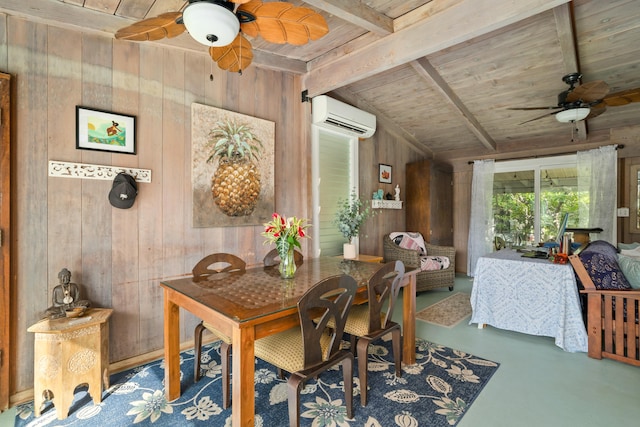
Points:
[[384, 173], [105, 131]]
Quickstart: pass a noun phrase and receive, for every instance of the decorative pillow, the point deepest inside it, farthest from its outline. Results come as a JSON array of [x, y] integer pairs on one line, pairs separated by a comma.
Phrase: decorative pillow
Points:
[[630, 267], [434, 263], [604, 271], [408, 240], [602, 247], [631, 252], [628, 246]]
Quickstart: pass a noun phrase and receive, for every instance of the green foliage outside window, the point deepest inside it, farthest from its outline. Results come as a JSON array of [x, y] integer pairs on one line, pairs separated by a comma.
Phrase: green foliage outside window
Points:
[[514, 215]]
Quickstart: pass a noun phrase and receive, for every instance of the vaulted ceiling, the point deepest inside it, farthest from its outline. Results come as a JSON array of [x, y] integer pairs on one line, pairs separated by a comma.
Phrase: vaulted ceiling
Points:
[[440, 74]]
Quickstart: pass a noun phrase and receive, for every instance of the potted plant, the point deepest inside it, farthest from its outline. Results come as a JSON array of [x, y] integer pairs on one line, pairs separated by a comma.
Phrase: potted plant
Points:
[[236, 182], [349, 217]]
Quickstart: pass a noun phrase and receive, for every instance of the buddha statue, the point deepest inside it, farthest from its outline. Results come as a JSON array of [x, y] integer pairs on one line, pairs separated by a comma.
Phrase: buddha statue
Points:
[[65, 296]]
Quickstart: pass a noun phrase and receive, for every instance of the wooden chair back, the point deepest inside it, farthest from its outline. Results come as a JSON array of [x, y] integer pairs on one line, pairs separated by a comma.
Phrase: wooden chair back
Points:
[[383, 288], [329, 299], [231, 263], [272, 258]]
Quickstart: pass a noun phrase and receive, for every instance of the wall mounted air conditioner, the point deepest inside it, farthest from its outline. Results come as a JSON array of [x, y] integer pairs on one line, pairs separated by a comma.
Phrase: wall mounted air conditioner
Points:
[[333, 114]]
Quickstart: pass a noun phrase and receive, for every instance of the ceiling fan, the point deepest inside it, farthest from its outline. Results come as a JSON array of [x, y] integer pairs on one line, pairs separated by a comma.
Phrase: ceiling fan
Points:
[[584, 101], [221, 25]]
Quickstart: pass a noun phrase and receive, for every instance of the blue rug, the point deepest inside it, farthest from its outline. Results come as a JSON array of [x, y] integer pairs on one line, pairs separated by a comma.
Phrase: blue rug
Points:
[[437, 391]]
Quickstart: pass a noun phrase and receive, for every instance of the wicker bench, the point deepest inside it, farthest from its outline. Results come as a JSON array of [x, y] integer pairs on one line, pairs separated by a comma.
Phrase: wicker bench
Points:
[[429, 279], [612, 320]]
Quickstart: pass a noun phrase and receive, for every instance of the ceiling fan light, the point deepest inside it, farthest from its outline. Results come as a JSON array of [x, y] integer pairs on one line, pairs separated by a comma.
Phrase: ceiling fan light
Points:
[[573, 114], [210, 23]]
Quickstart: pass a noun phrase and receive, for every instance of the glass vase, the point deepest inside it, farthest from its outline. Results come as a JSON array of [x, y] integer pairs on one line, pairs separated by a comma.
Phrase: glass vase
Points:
[[287, 265]]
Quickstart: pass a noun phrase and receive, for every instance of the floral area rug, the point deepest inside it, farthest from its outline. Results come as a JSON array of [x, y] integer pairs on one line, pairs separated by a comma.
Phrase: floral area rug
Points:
[[436, 391], [447, 312]]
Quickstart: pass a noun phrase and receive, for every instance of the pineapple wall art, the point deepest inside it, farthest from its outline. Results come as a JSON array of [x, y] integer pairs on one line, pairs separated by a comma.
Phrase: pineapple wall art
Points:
[[232, 168]]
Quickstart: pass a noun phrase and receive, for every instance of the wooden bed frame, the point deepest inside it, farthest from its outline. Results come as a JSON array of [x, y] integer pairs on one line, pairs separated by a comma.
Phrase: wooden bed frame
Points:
[[612, 333]]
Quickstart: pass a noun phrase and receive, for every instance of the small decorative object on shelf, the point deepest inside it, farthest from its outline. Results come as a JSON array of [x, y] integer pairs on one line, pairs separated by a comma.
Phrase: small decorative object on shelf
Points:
[[350, 216], [285, 232], [397, 196]]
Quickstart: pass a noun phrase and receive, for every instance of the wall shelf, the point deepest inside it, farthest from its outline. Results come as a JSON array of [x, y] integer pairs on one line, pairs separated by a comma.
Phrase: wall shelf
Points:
[[87, 171], [386, 204]]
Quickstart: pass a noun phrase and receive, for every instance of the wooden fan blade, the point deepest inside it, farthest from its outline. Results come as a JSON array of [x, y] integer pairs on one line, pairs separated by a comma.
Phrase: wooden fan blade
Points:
[[555, 107], [234, 57], [589, 92], [280, 22], [622, 98], [540, 117], [596, 111], [153, 28]]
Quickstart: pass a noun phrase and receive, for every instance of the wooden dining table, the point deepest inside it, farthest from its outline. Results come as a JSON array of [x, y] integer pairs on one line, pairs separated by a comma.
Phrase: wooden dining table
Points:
[[256, 303]]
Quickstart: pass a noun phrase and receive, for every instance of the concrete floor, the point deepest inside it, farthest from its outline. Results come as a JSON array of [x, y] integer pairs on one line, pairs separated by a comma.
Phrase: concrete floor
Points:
[[537, 383]]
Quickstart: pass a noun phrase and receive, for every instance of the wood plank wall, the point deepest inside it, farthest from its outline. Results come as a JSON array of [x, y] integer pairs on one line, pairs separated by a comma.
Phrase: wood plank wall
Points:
[[119, 256]]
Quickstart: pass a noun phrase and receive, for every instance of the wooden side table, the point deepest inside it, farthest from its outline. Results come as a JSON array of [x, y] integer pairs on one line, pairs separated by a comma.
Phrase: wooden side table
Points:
[[69, 352]]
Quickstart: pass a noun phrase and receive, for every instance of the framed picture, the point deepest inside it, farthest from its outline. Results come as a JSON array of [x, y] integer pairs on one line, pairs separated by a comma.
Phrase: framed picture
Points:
[[384, 173], [105, 131]]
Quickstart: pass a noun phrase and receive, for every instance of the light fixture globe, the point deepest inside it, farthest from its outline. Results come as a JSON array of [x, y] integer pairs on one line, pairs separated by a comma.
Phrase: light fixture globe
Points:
[[573, 114], [211, 23]]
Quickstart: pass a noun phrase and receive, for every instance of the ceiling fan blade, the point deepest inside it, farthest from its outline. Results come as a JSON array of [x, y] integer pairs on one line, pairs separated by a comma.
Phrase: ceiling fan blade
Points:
[[153, 28], [555, 107], [540, 117], [280, 22], [589, 92], [596, 111], [623, 97], [234, 57]]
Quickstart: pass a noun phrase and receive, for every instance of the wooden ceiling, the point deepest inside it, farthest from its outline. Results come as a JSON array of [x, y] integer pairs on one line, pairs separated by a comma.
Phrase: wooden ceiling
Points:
[[440, 74]]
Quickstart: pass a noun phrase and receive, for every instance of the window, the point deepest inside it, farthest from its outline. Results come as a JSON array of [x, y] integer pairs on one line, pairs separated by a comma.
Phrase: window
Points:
[[531, 196], [335, 174]]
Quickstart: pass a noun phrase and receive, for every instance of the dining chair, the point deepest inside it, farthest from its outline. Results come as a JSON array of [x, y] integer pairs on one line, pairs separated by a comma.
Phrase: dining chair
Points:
[[205, 268], [369, 322], [311, 348], [272, 258]]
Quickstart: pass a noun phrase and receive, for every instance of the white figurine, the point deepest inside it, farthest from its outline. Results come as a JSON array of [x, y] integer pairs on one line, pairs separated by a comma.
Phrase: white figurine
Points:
[[397, 193]]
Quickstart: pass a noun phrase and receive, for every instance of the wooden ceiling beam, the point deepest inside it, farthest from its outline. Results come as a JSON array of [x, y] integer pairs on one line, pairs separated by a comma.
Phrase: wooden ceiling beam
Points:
[[566, 36], [525, 148], [356, 13], [457, 24], [424, 68]]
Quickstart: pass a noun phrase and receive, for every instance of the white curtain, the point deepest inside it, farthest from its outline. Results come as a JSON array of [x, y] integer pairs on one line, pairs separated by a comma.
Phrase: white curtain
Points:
[[481, 220], [597, 176]]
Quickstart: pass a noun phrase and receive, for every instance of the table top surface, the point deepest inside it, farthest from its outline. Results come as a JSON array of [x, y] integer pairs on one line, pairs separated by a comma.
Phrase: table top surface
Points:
[[90, 317], [514, 255], [257, 292]]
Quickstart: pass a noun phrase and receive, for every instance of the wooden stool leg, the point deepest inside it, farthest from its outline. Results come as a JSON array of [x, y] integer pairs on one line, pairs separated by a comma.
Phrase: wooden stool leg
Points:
[[38, 400], [95, 389], [62, 402]]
